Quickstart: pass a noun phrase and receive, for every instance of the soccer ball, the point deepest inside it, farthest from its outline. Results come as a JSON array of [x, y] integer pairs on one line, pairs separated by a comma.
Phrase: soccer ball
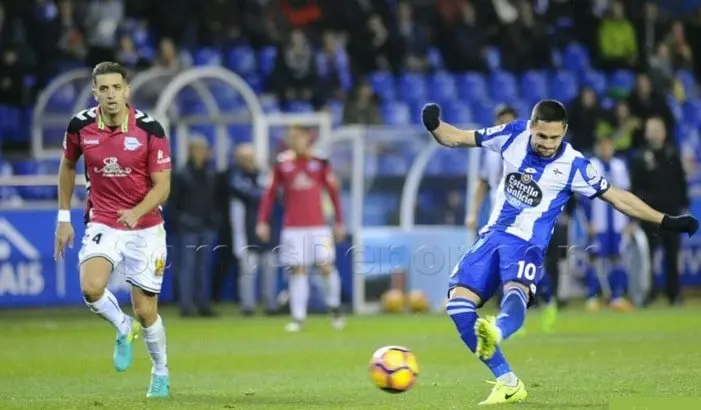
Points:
[[393, 369], [418, 302], [393, 301]]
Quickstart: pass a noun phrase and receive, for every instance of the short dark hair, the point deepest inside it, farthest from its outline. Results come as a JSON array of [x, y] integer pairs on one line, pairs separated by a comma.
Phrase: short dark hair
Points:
[[549, 111], [504, 109], [109, 67]]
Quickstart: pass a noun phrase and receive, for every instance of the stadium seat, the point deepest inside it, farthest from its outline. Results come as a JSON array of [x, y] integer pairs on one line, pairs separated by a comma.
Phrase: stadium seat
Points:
[[239, 133], [692, 111], [382, 83], [266, 60], [453, 162], [242, 60], [622, 79], [255, 82], [563, 86], [594, 80], [396, 113], [493, 57], [457, 112], [472, 87], [435, 59], [483, 113], [336, 109], [502, 86], [534, 86], [393, 165], [675, 107], [299, 107], [575, 57], [10, 123], [412, 87], [207, 56], [64, 99], [441, 87], [270, 105]]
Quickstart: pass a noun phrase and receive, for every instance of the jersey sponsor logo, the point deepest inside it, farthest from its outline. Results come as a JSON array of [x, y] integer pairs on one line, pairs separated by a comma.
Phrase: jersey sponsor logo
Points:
[[91, 142], [495, 129], [112, 169], [131, 143], [162, 158], [302, 182], [522, 191]]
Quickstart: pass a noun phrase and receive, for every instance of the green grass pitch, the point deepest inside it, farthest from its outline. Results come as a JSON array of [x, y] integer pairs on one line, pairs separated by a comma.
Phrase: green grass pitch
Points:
[[61, 359]]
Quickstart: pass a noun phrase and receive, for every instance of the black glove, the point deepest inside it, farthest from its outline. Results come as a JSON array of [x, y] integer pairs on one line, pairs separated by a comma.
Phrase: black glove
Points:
[[682, 223], [431, 116]]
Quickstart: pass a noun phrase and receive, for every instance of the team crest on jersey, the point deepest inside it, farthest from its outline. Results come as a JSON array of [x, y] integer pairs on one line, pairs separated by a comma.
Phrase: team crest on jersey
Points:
[[521, 191], [131, 143], [592, 175], [112, 169], [302, 182]]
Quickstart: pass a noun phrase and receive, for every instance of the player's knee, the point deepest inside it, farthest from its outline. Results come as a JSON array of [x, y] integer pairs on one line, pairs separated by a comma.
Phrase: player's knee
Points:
[[92, 287], [144, 306], [460, 292], [517, 285]]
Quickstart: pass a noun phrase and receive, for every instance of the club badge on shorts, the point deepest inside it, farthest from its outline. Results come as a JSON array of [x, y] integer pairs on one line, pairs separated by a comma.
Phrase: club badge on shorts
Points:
[[160, 266]]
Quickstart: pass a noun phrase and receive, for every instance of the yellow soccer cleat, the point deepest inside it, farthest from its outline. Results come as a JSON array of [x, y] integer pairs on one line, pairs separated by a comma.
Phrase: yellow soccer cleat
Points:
[[503, 394], [488, 337]]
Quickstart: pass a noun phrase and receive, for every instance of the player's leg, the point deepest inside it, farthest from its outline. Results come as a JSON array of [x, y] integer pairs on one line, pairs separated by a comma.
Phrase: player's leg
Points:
[[269, 281], [292, 256], [593, 284], [98, 257], [549, 308], [248, 267], [617, 277], [324, 254], [145, 263]]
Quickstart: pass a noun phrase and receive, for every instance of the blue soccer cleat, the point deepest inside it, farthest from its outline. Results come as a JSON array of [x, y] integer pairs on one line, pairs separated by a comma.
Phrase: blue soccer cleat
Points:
[[123, 348], [159, 387]]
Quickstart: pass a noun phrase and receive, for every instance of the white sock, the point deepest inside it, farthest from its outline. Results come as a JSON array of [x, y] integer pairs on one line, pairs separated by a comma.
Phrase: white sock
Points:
[[108, 308], [155, 339], [299, 296], [333, 289], [508, 379]]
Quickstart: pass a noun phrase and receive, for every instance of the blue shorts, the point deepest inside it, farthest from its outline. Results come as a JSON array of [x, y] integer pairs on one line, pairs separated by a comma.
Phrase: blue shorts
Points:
[[494, 259], [606, 245]]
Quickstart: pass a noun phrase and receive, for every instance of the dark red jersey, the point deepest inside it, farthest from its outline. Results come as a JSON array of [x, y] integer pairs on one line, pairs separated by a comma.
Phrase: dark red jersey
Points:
[[302, 180], [119, 162]]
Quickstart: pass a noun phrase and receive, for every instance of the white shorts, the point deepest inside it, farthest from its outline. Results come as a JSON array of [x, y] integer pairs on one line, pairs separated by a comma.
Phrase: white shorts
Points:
[[139, 255], [307, 246]]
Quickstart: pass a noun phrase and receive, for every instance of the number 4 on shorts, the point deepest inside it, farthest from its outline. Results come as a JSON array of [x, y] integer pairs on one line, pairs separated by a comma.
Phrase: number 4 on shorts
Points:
[[98, 237]]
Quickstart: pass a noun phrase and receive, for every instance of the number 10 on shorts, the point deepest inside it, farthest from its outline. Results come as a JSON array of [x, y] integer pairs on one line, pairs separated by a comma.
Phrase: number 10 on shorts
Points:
[[526, 271]]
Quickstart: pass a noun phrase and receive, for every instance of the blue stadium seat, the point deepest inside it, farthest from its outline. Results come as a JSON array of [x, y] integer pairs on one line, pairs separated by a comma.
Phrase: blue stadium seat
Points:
[[534, 86], [457, 112], [692, 111], [336, 109], [207, 56], [435, 59], [10, 123], [453, 162], [375, 209], [209, 132], [393, 165], [242, 60], [563, 86], [396, 113], [382, 83], [472, 87], [686, 132], [575, 57], [523, 108], [435, 165], [412, 87], [686, 78], [622, 79], [594, 80], [493, 57], [266, 60], [239, 133], [442, 87], [270, 105], [255, 82], [483, 113], [63, 99], [299, 107], [502, 86]]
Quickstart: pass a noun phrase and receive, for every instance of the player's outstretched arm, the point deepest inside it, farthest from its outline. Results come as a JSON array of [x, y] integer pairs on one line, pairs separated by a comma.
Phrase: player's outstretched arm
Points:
[[444, 133], [634, 207], [66, 183]]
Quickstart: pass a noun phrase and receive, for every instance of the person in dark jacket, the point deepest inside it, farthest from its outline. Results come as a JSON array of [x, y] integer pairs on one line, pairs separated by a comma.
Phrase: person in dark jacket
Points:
[[195, 220], [657, 177], [246, 187]]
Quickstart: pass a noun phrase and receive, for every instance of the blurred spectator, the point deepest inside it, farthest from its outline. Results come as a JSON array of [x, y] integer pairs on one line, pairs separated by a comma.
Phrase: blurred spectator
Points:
[[658, 178], [618, 46], [169, 58], [196, 220], [295, 76], [11, 78], [262, 22], [525, 44], [453, 211], [661, 68], [620, 126], [650, 28], [362, 106], [644, 102], [693, 30], [43, 35], [221, 23], [560, 18], [371, 47], [463, 42], [102, 18], [128, 56], [415, 38], [680, 50], [584, 113], [332, 69]]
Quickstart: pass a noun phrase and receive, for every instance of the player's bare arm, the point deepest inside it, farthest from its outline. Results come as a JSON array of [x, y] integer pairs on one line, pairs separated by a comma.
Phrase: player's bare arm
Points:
[[155, 197], [635, 207], [444, 133], [266, 206], [66, 185]]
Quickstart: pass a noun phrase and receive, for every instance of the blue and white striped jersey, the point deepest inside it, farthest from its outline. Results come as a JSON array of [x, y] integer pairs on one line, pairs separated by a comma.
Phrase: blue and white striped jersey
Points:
[[533, 190], [604, 218]]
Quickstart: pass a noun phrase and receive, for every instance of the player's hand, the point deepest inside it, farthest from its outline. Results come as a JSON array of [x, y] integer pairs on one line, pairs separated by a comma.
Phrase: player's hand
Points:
[[263, 231], [681, 223], [471, 222], [64, 237], [431, 116], [339, 232], [128, 217]]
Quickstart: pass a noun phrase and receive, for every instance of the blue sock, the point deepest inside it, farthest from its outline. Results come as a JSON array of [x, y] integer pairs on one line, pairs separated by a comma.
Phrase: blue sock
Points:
[[617, 282], [592, 283], [545, 289], [513, 312], [463, 312]]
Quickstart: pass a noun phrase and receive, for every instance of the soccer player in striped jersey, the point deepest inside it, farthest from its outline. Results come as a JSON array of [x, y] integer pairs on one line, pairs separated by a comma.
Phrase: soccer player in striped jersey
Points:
[[541, 173]]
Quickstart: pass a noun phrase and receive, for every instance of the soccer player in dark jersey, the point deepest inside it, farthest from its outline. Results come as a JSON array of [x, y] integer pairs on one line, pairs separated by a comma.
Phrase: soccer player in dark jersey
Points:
[[306, 239], [127, 165]]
